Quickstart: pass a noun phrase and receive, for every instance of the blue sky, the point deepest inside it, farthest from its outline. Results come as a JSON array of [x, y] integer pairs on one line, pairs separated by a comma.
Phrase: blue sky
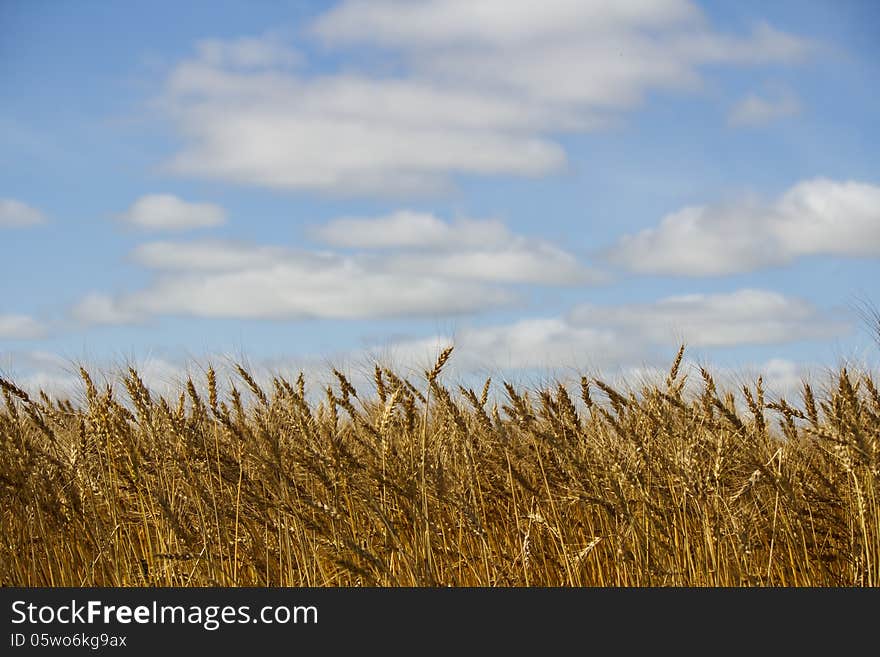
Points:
[[313, 182]]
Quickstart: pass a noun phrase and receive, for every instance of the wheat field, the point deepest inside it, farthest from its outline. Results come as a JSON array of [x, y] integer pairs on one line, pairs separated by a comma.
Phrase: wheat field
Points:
[[418, 482]]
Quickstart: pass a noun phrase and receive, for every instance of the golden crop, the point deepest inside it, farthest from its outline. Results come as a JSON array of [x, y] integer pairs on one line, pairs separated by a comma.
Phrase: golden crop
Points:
[[417, 484]]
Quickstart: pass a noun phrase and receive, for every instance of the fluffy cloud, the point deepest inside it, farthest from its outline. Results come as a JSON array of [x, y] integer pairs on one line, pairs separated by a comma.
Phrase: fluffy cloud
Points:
[[412, 229], [299, 288], [542, 343], [347, 135], [221, 283], [481, 87], [20, 327], [468, 249], [754, 110], [350, 157], [248, 53], [814, 217], [16, 214], [629, 335], [437, 23], [438, 272], [168, 212], [206, 256], [538, 263], [97, 308], [714, 320]]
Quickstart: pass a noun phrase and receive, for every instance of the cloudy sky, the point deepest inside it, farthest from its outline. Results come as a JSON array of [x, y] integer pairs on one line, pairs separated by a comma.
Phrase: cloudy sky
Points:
[[579, 186]]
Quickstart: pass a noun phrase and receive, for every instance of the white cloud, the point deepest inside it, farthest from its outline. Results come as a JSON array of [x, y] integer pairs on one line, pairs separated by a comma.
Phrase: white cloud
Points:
[[277, 144], [824, 216], [814, 217], [97, 308], [339, 289], [436, 26], [754, 110], [16, 214], [426, 267], [20, 327], [540, 344], [205, 256], [466, 248], [406, 228], [598, 73], [478, 88], [241, 284], [246, 53], [521, 262], [629, 335], [714, 320], [543, 343], [764, 44], [168, 212], [435, 23]]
